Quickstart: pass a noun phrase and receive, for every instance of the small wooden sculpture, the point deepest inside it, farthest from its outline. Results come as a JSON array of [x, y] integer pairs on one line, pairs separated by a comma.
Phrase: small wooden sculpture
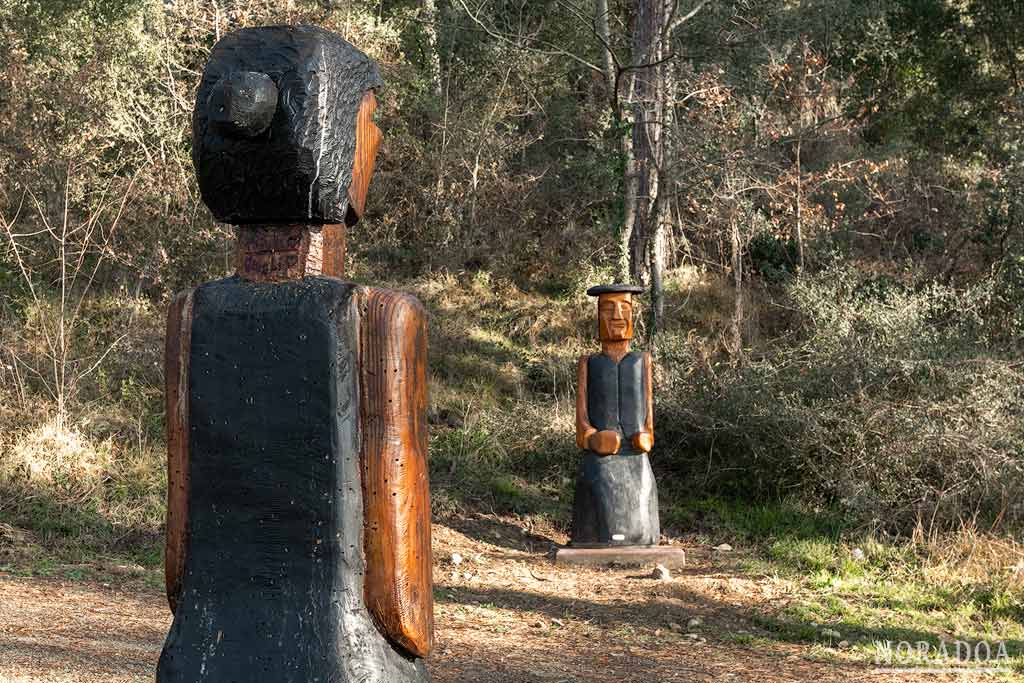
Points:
[[616, 502], [298, 524]]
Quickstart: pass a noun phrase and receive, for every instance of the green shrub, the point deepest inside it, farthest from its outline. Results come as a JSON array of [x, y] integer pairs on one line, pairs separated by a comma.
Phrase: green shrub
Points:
[[897, 401]]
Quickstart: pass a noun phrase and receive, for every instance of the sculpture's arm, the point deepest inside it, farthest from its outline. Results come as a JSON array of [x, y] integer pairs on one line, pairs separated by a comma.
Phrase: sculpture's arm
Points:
[[176, 363], [583, 427], [396, 495], [644, 440]]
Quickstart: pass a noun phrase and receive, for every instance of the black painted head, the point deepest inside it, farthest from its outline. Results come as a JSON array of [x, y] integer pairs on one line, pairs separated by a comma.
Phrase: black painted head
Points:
[[274, 126]]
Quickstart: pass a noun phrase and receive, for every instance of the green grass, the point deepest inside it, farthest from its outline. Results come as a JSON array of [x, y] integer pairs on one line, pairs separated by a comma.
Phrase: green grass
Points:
[[896, 592]]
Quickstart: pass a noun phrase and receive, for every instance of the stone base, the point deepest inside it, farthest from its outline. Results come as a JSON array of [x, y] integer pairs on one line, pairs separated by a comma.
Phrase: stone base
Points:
[[625, 556]]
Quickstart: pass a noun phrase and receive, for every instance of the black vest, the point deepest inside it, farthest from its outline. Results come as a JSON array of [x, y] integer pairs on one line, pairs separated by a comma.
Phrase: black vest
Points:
[[616, 394]]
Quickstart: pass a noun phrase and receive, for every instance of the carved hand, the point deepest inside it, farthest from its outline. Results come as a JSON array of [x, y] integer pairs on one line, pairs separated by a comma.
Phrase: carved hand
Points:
[[643, 441], [605, 442]]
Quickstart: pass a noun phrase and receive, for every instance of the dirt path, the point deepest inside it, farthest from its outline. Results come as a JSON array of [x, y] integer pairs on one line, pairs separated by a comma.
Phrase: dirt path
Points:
[[504, 615]]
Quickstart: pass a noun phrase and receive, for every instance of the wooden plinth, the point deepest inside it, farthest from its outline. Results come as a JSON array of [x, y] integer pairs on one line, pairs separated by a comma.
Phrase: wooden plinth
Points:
[[626, 556]]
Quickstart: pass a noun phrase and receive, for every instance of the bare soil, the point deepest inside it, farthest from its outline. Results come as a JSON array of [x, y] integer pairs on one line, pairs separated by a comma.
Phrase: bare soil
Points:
[[504, 614]]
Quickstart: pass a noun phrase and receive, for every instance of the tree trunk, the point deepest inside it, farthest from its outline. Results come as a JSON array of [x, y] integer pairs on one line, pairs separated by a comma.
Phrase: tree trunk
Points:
[[650, 92], [433, 57], [737, 274]]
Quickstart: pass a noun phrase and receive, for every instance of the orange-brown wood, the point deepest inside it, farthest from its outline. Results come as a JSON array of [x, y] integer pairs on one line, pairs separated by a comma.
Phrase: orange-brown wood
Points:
[[368, 139], [396, 497], [176, 354], [334, 236], [583, 427], [272, 253]]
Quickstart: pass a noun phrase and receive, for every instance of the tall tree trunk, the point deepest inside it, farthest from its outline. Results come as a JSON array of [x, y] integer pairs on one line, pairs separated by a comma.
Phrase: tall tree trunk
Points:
[[649, 95], [661, 209], [798, 233], [430, 20], [737, 274]]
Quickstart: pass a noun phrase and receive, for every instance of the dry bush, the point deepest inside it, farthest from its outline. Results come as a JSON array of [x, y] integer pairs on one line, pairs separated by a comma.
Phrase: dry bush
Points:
[[895, 403]]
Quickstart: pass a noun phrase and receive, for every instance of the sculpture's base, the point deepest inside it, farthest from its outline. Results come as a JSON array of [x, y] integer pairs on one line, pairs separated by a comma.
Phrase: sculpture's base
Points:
[[625, 556]]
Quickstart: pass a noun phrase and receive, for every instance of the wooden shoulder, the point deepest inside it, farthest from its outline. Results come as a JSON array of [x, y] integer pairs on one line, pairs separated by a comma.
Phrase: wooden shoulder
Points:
[[177, 345], [396, 493]]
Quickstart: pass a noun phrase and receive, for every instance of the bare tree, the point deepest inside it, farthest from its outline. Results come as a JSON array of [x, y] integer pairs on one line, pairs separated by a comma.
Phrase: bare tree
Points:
[[80, 248]]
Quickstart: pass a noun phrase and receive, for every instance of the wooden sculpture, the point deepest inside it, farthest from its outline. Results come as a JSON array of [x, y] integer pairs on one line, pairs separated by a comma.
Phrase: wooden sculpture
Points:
[[298, 524], [615, 511]]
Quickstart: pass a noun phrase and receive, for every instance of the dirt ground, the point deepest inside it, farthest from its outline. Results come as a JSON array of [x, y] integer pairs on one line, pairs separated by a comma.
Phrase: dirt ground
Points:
[[504, 614]]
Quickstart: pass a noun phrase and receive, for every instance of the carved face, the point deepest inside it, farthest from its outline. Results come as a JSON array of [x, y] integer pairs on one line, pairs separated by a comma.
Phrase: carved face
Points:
[[615, 316], [368, 139]]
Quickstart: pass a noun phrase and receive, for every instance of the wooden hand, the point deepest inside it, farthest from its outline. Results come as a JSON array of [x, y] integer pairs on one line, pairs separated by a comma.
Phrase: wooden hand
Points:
[[605, 442], [583, 435], [643, 441]]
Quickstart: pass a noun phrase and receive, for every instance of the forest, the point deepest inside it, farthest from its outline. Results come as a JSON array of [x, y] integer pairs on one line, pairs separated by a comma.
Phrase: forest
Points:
[[823, 199]]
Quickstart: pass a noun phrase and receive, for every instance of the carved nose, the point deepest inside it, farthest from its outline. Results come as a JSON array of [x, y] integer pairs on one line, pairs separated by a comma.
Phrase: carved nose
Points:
[[242, 104]]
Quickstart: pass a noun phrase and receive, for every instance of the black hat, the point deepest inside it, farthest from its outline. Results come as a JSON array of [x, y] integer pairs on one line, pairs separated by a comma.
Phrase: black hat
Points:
[[598, 290]]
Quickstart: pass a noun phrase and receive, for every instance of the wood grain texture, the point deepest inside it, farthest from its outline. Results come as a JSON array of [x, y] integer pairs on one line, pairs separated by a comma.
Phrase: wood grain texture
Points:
[[583, 427], [272, 253], [177, 346], [334, 236], [396, 495], [368, 138]]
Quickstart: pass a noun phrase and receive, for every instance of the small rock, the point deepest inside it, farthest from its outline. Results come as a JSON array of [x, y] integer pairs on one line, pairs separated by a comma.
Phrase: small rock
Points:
[[539, 624], [723, 548], [661, 573], [467, 575], [456, 559], [831, 633], [858, 554], [675, 627], [693, 636], [696, 622], [843, 644]]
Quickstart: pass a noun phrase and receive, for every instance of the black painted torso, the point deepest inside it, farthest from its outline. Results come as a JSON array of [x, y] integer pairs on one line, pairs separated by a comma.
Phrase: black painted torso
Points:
[[616, 394], [272, 587]]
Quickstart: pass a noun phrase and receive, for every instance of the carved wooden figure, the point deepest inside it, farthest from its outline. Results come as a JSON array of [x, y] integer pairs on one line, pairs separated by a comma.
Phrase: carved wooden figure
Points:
[[298, 524], [616, 500], [615, 511]]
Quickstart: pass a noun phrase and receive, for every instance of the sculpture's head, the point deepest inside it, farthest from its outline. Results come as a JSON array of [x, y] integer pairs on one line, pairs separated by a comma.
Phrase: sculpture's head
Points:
[[615, 310], [283, 129]]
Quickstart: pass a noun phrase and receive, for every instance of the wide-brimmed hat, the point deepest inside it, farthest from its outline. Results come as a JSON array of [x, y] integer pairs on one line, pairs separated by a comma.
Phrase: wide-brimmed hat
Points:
[[618, 288]]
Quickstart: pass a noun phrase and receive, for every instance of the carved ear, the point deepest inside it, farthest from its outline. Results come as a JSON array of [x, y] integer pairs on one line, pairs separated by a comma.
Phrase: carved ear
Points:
[[368, 138], [242, 104]]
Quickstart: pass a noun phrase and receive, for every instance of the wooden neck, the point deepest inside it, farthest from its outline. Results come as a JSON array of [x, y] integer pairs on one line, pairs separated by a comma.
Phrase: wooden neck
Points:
[[615, 350], [280, 253]]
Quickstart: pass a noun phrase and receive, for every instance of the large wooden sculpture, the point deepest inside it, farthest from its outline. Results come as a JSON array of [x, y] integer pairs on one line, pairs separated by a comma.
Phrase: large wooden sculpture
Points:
[[298, 525], [615, 512]]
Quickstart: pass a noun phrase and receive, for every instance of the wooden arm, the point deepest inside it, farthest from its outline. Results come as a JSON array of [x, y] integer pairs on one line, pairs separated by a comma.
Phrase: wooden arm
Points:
[[644, 440], [583, 427], [177, 345], [396, 495], [649, 389]]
